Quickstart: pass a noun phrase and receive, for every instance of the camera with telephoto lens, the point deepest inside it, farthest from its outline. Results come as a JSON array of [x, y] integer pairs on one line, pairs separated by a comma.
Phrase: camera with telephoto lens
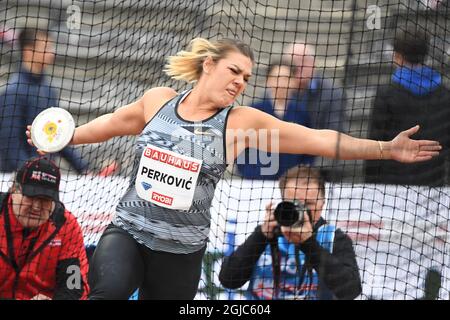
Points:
[[290, 213]]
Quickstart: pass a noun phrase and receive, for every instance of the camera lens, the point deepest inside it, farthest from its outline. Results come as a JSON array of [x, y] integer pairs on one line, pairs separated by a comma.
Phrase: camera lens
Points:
[[286, 213]]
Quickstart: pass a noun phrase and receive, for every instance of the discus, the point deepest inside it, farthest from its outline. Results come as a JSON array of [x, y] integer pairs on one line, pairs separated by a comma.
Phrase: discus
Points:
[[52, 129]]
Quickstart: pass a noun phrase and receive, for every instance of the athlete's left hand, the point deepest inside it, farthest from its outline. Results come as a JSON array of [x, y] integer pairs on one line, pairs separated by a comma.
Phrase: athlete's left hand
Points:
[[404, 149]]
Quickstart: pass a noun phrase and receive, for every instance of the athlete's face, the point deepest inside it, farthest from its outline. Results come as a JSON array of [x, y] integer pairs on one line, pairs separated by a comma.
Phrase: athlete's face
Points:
[[31, 212], [227, 78]]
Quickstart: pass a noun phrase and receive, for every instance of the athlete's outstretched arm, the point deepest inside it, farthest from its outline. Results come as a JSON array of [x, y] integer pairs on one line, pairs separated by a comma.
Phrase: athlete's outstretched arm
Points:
[[127, 120], [294, 138]]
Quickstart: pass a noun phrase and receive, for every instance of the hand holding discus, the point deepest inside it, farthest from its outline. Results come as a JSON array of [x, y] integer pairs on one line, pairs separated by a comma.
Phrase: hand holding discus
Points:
[[51, 131]]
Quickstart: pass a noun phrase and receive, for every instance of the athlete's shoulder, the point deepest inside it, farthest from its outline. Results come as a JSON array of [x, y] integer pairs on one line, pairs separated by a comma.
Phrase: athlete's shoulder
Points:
[[158, 96], [154, 99], [160, 93], [245, 110], [253, 117], [248, 113]]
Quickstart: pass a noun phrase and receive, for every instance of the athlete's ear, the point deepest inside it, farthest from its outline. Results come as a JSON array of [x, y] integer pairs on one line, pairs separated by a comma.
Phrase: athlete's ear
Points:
[[208, 64]]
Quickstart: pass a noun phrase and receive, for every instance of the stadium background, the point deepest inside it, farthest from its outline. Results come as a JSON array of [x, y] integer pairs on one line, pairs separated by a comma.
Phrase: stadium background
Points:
[[110, 52]]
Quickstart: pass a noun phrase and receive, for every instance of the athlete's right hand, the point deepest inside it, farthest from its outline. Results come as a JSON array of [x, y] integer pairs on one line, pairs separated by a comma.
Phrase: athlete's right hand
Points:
[[30, 142]]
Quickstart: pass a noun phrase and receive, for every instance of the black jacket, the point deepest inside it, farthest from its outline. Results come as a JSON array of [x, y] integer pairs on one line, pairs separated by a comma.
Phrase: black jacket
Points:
[[397, 109], [338, 271]]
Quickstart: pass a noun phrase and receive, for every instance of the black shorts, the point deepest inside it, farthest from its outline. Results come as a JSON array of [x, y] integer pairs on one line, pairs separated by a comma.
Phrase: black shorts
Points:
[[120, 265]]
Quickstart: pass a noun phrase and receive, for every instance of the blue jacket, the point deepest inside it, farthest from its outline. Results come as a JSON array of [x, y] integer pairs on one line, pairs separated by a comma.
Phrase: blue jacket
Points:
[[415, 96], [326, 105], [251, 168], [25, 96]]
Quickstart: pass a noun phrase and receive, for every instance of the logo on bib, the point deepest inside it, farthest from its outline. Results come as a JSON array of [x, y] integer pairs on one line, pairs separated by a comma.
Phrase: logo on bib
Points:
[[170, 159], [146, 185], [162, 198]]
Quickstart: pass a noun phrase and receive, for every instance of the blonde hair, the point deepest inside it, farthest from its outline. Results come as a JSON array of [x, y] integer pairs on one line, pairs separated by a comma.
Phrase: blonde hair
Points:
[[188, 65]]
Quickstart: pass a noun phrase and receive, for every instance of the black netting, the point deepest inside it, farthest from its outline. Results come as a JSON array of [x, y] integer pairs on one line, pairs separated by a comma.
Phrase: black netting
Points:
[[108, 53]]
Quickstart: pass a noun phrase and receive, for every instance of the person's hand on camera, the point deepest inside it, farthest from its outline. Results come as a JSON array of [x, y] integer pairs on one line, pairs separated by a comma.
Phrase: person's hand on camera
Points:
[[298, 234], [269, 222]]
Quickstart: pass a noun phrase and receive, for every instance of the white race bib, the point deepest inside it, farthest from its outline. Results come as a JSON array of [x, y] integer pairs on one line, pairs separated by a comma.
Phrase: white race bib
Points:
[[166, 178]]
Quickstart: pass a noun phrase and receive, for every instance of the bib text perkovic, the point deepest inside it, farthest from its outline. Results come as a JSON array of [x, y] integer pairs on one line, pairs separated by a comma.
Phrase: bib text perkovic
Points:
[[166, 178]]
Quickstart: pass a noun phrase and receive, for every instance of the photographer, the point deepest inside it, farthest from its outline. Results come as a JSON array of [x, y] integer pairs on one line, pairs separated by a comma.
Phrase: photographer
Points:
[[309, 259]]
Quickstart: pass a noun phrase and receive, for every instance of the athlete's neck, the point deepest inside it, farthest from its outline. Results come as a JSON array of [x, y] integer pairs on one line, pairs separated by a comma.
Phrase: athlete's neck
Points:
[[197, 104]]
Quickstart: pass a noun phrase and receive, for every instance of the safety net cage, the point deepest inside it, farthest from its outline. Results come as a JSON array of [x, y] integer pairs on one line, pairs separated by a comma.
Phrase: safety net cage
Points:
[[366, 68]]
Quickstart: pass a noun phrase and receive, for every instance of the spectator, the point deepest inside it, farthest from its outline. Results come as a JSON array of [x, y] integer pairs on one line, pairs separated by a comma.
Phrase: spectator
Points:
[[278, 102], [415, 95], [27, 93], [316, 260], [42, 255], [324, 101]]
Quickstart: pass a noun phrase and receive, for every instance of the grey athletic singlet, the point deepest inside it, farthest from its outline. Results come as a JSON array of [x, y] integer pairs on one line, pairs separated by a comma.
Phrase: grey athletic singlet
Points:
[[177, 231]]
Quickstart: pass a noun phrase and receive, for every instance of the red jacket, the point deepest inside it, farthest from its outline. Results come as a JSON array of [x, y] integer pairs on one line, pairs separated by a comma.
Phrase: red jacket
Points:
[[49, 260]]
